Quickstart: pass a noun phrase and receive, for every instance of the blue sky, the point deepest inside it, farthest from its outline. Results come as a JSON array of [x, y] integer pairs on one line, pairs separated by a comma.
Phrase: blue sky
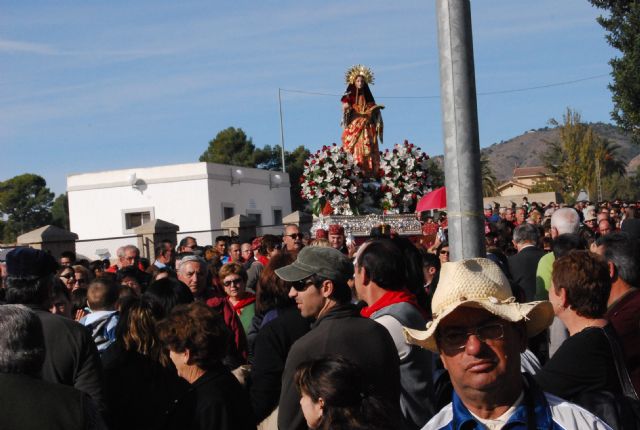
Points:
[[100, 85]]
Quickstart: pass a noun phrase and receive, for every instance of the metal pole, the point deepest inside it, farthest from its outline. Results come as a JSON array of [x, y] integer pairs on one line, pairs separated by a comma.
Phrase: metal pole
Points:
[[281, 128], [462, 173]]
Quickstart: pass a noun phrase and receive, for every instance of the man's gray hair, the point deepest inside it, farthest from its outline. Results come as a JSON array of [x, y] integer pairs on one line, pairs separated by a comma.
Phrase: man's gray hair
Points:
[[622, 251], [130, 247], [21, 341], [526, 233], [188, 258], [565, 220]]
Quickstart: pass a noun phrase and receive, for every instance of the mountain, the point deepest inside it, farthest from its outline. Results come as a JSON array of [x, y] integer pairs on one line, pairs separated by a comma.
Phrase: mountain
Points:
[[525, 150]]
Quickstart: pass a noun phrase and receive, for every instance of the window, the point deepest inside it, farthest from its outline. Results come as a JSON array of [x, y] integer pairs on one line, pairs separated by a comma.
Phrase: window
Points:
[[227, 212], [136, 219], [256, 218], [277, 216], [132, 218]]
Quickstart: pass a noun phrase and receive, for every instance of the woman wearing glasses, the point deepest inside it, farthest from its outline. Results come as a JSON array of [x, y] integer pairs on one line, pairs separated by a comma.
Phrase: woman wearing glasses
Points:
[[68, 277], [233, 278]]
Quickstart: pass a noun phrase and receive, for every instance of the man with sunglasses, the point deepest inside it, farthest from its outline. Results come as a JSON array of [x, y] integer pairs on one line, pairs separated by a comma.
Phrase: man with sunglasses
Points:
[[480, 331], [319, 287], [292, 238]]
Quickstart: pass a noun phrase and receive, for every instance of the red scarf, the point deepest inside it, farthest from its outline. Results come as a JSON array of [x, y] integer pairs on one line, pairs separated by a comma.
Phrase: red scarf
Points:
[[263, 259], [391, 298], [244, 302]]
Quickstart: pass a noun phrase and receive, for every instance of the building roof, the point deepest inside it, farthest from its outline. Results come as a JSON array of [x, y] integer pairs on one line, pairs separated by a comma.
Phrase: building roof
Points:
[[523, 172], [508, 184]]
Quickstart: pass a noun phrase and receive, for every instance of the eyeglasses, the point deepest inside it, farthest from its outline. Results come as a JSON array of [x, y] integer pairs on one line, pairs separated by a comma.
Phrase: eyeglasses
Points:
[[68, 276], [455, 338], [302, 285], [236, 281], [295, 236], [444, 252]]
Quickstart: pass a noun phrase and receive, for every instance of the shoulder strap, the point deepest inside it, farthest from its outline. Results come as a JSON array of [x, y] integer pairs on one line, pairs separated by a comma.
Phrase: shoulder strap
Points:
[[621, 368]]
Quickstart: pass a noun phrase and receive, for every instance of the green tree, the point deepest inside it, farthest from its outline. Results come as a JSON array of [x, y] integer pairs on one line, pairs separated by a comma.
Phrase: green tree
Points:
[[26, 202], [623, 27], [60, 211], [489, 181], [295, 166], [230, 146], [435, 173], [574, 159]]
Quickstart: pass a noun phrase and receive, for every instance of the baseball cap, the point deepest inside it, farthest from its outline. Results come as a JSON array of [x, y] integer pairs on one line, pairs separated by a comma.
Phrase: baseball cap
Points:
[[317, 260]]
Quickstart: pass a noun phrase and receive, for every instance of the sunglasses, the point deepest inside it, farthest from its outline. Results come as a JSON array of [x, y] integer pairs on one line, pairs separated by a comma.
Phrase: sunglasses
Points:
[[302, 285], [68, 276], [444, 252], [237, 281], [295, 236], [457, 338]]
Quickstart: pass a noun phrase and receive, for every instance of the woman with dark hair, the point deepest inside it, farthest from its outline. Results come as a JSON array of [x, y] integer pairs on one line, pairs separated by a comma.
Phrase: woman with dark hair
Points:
[[140, 381], [168, 293], [68, 277], [197, 339], [584, 362], [336, 396], [276, 326], [362, 120]]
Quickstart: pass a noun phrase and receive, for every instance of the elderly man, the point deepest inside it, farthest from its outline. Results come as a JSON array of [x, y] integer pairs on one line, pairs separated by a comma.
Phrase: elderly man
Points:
[[292, 238], [26, 401], [319, 276], [523, 265], [480, 332], [621, 254], [72, 358]]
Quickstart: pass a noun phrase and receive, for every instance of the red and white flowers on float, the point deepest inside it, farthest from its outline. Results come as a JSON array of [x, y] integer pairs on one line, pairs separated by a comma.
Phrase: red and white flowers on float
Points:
[[402, 177], [330, 181]]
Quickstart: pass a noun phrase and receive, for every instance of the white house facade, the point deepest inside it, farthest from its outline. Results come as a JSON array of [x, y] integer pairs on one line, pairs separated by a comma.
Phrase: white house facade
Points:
[[105, 207]]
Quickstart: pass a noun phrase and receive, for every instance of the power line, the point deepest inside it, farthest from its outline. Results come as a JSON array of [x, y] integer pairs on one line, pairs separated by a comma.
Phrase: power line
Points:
[[487, 93]]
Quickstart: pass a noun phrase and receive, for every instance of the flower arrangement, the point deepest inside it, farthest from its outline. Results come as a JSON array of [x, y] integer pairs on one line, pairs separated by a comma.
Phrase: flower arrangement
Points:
[[402, 177], [330, 181]]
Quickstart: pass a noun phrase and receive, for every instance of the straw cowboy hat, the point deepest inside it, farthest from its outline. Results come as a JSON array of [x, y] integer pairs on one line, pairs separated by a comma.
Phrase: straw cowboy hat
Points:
[[478, 283]]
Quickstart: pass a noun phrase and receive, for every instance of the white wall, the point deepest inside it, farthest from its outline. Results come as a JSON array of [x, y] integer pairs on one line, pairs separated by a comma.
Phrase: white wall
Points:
[[189, 195]]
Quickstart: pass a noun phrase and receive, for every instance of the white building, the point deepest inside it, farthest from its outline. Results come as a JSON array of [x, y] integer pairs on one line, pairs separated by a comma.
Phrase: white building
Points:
[[104, 207]]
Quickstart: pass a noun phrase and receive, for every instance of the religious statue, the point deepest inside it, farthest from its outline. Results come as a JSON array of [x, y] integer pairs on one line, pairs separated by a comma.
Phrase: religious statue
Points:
[[361, 120]]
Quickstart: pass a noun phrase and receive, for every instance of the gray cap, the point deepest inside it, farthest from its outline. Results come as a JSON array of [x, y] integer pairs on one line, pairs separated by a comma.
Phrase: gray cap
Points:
[[318, 260]]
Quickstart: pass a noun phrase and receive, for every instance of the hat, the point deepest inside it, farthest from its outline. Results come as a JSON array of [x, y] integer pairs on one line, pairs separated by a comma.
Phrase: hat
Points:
[[336, 229], [255, 244], [478, 283], [549, 212], [317, 260], [29, 262], [321, 233], [488, 207]]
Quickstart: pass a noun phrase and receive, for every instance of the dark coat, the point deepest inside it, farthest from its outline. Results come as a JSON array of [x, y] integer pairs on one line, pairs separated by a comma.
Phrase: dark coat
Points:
[[30, 403], [216, 401], [342, 331], [523, 268], [138, 389], [71, 356], [273, 342], [624, 315]]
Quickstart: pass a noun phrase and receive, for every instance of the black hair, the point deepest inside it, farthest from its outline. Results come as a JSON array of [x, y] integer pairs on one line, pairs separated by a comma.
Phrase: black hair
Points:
[[168, 293], [384, 264], [29, 290], [622, 251], [567, 242]]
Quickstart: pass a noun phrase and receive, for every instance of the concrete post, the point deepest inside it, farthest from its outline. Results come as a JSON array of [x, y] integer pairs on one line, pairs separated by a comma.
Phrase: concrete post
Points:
[[51, 239], [460, 129], [302, 219], [151, 233], [241, 226]]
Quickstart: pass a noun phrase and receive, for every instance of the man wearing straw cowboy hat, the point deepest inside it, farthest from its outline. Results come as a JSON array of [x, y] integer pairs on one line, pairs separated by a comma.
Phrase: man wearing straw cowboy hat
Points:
[[480, 331]]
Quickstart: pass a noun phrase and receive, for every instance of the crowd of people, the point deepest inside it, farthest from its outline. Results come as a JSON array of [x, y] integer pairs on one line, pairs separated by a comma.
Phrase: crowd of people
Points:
[[293, 332]]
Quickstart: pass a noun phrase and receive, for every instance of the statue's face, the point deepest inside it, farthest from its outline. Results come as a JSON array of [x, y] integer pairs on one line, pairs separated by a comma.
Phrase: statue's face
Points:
[[359, 82]]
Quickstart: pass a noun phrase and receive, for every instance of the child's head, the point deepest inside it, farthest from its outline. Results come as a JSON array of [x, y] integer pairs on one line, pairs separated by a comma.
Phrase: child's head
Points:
[[102, 295]]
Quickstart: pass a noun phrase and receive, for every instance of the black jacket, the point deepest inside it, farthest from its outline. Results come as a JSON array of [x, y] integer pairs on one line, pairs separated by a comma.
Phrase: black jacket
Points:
[[138, 389], [523, 268], [30, 403], [273, 342], [71, 356], [216, 401], [342, 331]]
